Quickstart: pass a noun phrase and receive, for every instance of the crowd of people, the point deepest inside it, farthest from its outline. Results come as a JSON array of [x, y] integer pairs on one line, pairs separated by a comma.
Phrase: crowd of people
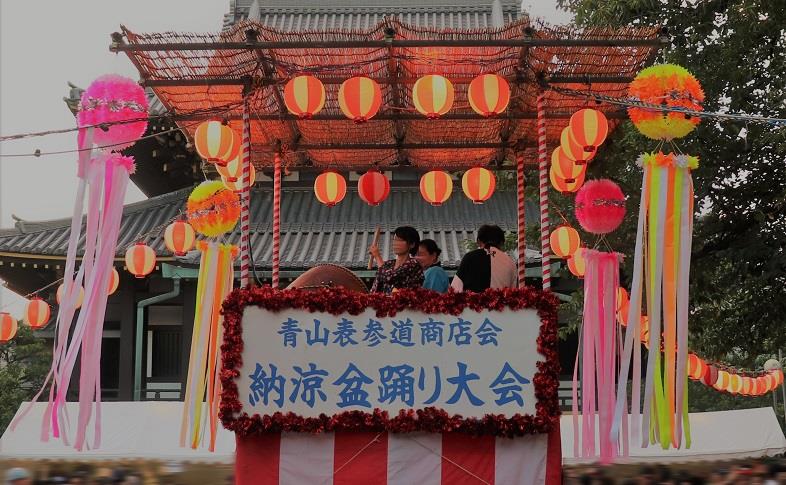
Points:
[[757, 472], [416, 264]]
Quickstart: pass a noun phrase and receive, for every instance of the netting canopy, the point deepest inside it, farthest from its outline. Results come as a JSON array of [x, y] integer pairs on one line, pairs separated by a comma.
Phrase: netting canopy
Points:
[[199, 76]]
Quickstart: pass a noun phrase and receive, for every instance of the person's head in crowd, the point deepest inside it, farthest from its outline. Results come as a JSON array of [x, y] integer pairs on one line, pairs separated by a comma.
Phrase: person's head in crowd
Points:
[[18, 476], [405, 241], [490, 235], [428, 253]]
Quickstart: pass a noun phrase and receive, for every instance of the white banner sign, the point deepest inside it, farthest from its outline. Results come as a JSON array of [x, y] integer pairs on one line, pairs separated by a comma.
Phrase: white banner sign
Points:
[[311, 363]]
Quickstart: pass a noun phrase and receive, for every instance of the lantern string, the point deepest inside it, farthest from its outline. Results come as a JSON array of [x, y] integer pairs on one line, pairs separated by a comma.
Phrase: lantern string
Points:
[[636, 103]]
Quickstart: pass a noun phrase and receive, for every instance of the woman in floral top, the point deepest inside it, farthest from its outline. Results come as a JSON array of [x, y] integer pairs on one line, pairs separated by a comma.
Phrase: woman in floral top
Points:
[[402, 272]]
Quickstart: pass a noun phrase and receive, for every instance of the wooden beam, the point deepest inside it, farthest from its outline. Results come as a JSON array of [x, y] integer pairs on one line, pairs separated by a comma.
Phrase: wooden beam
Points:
[[520, 115]]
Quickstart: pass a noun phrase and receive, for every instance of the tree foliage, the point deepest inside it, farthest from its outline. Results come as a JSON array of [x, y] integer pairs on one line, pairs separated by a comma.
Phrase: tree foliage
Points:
[[737, 50], [24, 363]]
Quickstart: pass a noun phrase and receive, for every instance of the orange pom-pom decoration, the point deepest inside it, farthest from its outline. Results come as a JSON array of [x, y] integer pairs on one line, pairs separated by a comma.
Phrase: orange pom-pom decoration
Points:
[[212, 209], [140, 260], [359, 98], [670, 86], [216, 142], [564, 241], [432, 95], [478, 184], [589, 128], [37, 313], [330, 188], [436, 187], [488, 94], [8, 327], [304, 96], [373, 187]]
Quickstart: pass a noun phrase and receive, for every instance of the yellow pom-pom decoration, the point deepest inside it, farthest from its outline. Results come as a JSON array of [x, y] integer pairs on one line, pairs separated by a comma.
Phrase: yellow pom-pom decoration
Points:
[[212, 209], [670, 86]]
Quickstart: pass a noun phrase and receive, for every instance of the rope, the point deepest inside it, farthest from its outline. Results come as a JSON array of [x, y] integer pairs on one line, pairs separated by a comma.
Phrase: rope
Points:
[[457, 465], [245, 200], [276, 219], [375, 439], [543, 173], [522, 220]]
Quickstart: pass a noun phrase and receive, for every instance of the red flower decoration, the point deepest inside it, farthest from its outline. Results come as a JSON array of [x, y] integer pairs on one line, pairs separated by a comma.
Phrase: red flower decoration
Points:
[[338, 301]]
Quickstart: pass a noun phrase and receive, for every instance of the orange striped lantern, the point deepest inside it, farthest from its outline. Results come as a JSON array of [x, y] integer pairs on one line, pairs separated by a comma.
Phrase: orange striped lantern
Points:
[[432, 95], [562, 186], [61, 289], [436, 186], [359, 98], [478, 184], [216, 142], [179, 237], [373, 187], [644, 330], [573, 150], [232, 171], [565, 241], [577, 264], [622, 314], [140, 260], [114, 281], [746, 386], [622, 298], [695, 367], [778, 377], [37, 313], [723, 380], [304, 96], [237, 185], [589, 128], [330, 188], [8, 327], [489, 94], [564, 167], [735, 384]]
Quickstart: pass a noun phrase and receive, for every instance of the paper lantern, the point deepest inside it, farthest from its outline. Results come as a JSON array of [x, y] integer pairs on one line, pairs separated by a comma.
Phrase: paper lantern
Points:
[[564, 241], [723, 380], [622, 297], [304, 96], [589, 128], [179, 237], [488, 94], [696, 367], [436, 187], [572, 150], [330, 188], [373, 187], [432, 95], [359, 98], [37, 313], [114, 100], [622, 314], [735, 384], [564, 167], [478, 184], [237, 185], [746, 386], [778, 377], [644, 331], [670, 86], [216, 142], [61, 290], [600, 206], [8, 327], [233, 170], [563, 186], [710, 375], [577, 264], [114, 281], [212, 209], [140, 260]]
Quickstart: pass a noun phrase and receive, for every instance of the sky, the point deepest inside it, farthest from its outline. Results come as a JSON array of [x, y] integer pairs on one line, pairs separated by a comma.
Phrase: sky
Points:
[[47, 43]]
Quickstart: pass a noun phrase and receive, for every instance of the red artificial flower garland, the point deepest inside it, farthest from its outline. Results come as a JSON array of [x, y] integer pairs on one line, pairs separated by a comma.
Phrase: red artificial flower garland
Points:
[[338, 301]]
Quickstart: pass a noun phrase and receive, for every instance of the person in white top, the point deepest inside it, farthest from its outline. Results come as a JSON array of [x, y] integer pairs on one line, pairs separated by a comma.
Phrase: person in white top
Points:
[[488, 266]]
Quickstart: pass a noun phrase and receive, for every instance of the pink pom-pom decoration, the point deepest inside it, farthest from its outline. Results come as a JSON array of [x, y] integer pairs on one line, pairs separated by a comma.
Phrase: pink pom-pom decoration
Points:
[[600, 206], [111, 99]]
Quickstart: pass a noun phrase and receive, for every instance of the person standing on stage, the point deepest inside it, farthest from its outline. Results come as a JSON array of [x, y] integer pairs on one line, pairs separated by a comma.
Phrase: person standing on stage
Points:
[[428, 256], [488, 266], [403, 271]]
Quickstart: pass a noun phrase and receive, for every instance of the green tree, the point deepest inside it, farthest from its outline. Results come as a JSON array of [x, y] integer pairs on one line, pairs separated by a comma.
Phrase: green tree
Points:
[[737, 50], [24, 363]]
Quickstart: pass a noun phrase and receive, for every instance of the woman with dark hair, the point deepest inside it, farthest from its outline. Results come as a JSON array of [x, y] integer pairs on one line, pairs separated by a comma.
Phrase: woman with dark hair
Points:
[[403, 271], [428, 256], [488, 266]]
